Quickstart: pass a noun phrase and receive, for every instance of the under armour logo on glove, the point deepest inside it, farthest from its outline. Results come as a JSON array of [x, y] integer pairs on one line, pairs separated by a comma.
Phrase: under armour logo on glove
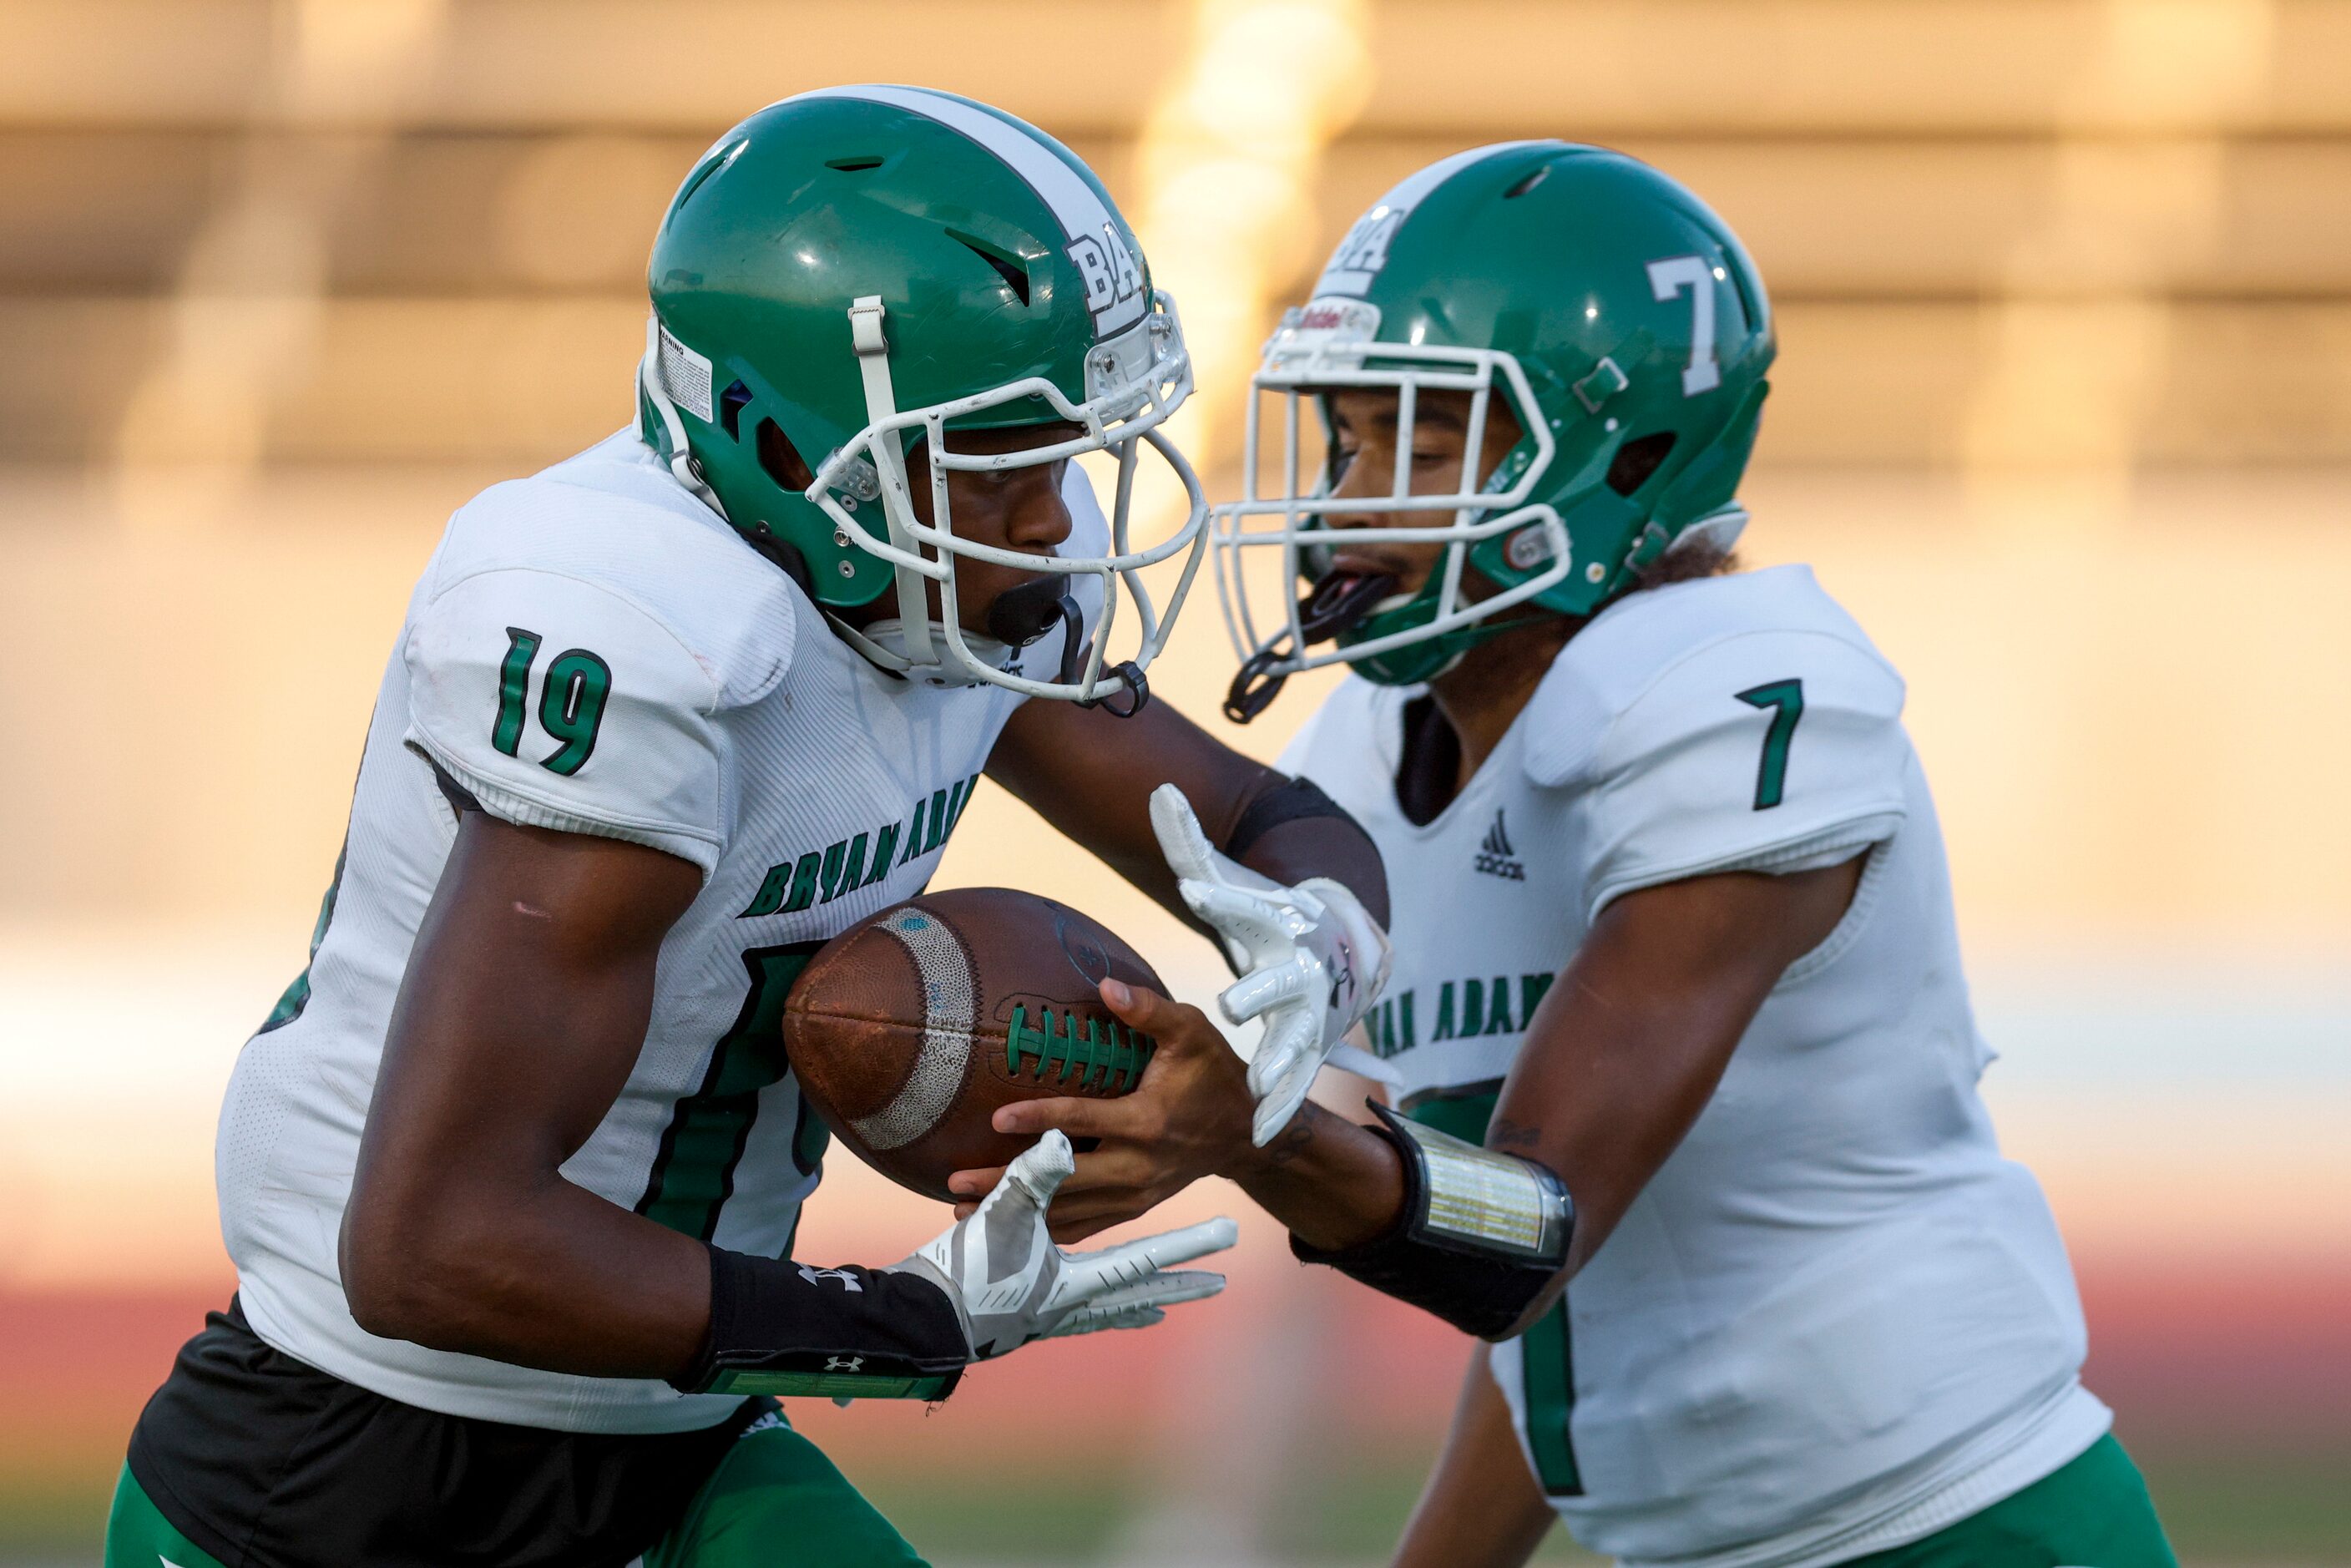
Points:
[[1343, 981], [849, 1283], [843, 1363]]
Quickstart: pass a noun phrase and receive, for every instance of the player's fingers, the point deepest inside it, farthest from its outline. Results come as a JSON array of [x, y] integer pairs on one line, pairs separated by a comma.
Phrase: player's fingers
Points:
[[1262, 989], [1166, 1290], [1078, 1218], [1075, 1117], [1289, 1042], [1177, 1026], [1159, 1290], [1118, 1168], [1130, 1262], [1189, 853], [1123, 1175], [1035, 1173], [973, 1186], [1246, 917], [1149, 1010], [1085, 1320], [965, 1210]]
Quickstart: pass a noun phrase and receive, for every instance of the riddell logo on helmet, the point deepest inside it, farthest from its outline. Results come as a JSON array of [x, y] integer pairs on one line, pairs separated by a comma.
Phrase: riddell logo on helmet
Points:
[[1338, 318]]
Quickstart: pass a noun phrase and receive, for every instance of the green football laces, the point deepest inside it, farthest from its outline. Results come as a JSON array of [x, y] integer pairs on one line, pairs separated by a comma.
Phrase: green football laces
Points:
[[1103, 1053]]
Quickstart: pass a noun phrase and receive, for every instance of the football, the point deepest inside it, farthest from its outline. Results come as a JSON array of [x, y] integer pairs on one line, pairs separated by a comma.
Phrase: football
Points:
[[908, 1029]]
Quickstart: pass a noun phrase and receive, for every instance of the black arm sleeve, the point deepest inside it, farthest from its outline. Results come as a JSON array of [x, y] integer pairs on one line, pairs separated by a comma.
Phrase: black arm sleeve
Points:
[[1293, 831], [1286, 802], [781, 1327]]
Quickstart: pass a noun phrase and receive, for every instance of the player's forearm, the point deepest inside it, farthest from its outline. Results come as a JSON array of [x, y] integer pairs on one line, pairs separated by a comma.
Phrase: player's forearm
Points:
[[537, 1272], [1092, 776], [1335, 1184], [1300, 848], [525, 1005], [1480, 1508]]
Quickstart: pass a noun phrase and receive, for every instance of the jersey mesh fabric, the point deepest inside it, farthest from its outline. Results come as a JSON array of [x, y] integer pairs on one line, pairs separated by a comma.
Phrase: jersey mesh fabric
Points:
[[736, 731], [1835, 1297]]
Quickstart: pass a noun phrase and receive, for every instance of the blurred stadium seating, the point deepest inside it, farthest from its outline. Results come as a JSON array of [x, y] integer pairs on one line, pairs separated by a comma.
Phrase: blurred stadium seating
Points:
[[2064, 411]]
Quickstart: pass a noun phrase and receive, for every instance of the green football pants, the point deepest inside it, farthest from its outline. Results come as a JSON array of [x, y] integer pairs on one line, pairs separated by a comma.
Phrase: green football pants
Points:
[[775, 1501], [2091, 1513], [137, 1536]]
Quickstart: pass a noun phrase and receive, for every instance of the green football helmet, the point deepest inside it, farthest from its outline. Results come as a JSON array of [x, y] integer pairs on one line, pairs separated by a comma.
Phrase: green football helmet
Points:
[[854, 271], [1606, 304]]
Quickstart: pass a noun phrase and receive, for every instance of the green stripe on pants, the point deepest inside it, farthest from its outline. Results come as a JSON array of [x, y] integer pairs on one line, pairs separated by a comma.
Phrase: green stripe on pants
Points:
[[138, 1536], [776, 1502], [2091, 1513]]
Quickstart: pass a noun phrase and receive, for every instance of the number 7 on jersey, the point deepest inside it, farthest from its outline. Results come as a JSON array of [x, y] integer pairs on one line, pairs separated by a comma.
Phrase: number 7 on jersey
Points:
[[1786, 699]]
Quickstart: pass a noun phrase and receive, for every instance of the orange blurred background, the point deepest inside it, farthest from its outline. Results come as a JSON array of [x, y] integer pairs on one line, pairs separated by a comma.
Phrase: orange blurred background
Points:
[[2063, 412]]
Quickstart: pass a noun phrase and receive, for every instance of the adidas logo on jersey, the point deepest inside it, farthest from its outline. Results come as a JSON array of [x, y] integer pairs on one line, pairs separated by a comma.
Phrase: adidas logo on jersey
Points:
[[1494, 855]]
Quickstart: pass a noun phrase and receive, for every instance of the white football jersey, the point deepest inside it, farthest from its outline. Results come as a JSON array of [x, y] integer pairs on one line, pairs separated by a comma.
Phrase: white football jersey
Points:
[[595, 650], [1835, 1319]]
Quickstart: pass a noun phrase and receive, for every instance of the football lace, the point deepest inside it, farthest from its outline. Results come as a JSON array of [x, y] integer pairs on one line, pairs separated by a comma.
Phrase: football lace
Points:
[[1102, 1051]]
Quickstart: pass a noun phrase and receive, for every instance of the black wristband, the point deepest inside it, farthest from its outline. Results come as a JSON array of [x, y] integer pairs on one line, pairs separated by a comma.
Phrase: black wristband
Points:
[[1430, 1259], [786, 1327]]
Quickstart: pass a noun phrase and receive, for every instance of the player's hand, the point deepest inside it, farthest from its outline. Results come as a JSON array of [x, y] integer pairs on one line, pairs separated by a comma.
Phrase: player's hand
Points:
[[1312, 959], [1188, 1117], [1010, 1284]]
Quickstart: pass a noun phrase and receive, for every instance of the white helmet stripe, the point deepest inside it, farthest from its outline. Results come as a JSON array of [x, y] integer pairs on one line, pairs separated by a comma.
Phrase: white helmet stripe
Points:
[[1085, 220], [1364, 250]]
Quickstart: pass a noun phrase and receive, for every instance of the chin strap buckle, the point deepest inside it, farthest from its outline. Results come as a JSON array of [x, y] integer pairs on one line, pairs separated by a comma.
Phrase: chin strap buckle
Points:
[[1254, 687], [1334, 604], [1022, 615], [865, 326], [1128, 674]]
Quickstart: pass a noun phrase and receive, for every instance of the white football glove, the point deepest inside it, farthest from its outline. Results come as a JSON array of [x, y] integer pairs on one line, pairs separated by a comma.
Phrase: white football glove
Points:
[[1312, 958], [1010, 1284]]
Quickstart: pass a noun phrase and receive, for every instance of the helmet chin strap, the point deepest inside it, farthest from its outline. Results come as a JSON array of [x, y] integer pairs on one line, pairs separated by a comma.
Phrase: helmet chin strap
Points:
[[1718, 530], [882, 405], [1019, 616], [1025, 613], [1338, 602], [682, 466], [883, 643]]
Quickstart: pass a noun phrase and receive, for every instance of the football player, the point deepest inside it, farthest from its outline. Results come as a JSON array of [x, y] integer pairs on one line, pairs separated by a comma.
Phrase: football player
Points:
[[511, 1174], [1684, 1070]]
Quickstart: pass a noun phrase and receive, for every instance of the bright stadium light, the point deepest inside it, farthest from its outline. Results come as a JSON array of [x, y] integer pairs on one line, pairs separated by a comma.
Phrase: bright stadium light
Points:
[[1228, 163]]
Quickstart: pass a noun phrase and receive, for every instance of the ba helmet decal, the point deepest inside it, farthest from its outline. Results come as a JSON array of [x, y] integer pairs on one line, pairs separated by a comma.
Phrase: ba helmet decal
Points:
[[1364, 252], [1114, 278]]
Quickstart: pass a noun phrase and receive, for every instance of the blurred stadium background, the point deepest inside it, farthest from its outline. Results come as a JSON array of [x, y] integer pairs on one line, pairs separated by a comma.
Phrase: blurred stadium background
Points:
[[2063, 413]]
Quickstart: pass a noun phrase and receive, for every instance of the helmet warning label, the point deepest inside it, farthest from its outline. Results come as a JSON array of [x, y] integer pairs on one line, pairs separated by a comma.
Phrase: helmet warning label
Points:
[[685, 376]]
